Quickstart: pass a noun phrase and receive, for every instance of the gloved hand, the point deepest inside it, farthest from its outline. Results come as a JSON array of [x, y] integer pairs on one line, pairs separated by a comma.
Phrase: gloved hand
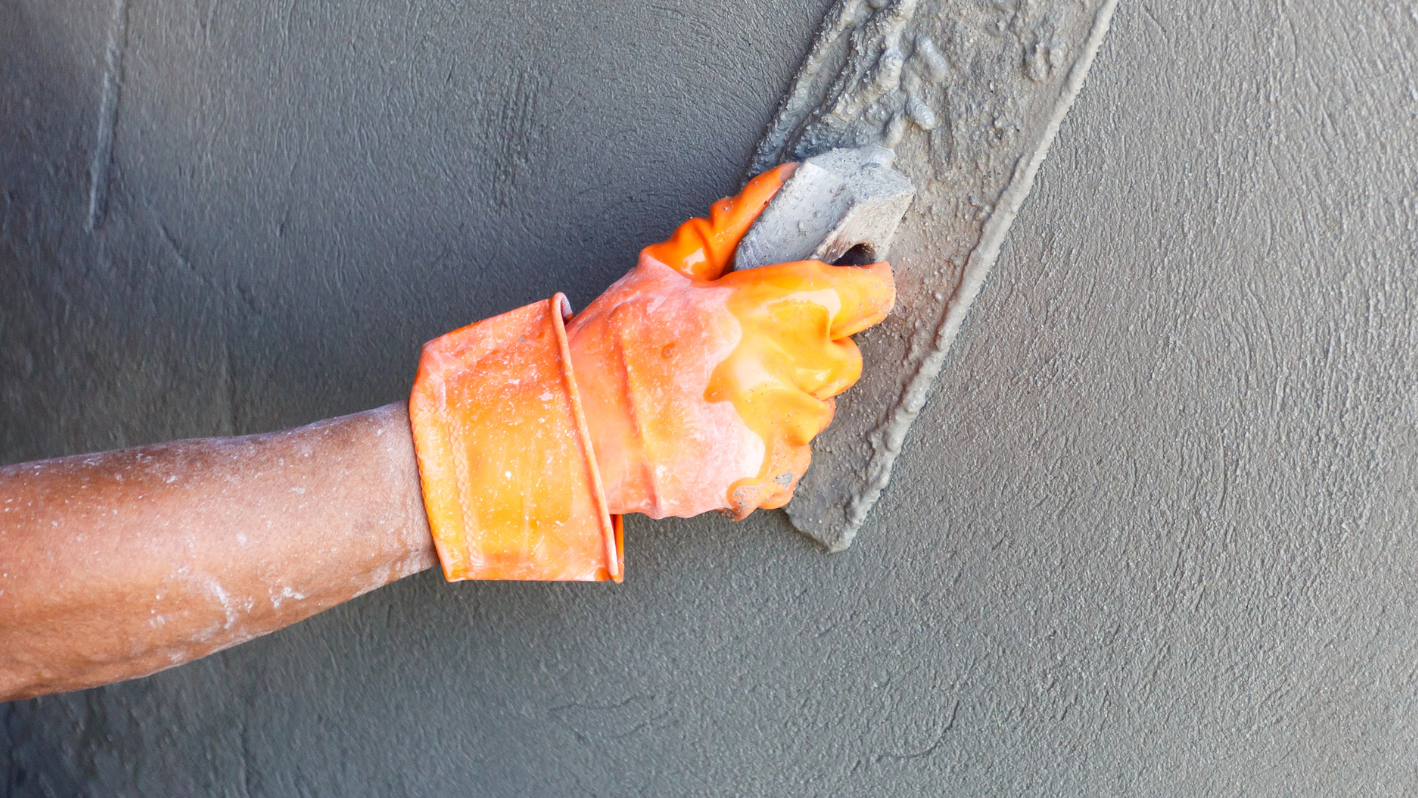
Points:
[[679, 390], [702, 389]]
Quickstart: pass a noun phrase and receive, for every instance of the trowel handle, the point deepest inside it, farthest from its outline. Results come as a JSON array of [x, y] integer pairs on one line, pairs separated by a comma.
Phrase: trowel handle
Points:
[[841, 207]]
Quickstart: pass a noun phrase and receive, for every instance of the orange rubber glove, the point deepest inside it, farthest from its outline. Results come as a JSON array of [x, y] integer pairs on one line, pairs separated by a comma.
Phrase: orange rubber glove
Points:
[[702, 389], [677, 391], [509, 481]]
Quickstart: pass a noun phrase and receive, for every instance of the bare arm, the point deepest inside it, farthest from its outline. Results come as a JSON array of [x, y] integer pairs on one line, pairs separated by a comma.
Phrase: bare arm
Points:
[[116, 565]]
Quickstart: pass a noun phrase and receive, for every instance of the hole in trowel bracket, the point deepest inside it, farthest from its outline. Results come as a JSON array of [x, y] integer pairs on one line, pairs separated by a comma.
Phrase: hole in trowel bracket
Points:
[[860, 255]]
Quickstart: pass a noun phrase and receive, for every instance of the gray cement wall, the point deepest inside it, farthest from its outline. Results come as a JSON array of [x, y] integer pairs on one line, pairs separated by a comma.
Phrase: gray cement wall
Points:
[[1153, 535]]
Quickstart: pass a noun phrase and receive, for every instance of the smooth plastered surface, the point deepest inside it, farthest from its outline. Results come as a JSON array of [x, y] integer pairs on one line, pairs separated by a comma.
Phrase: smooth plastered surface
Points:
[[1152, 534]]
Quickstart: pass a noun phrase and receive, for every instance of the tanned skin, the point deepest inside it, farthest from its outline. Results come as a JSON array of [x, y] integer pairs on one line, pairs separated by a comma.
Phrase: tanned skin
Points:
[[120, 564]]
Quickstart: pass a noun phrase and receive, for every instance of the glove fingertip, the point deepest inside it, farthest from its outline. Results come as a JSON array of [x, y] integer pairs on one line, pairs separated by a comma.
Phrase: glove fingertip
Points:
[[868, 296]]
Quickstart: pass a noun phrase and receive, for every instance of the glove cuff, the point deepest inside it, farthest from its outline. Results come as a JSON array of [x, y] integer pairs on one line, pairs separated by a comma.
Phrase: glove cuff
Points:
[[509, 476]]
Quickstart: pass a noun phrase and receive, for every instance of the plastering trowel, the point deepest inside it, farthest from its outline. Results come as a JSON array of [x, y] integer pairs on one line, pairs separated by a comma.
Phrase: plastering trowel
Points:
[[969, 96]]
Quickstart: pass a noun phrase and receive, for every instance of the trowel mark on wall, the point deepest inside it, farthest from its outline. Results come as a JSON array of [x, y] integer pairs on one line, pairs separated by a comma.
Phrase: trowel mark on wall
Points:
[[969, 95], [102, 160], [513, 122], [888, 439]]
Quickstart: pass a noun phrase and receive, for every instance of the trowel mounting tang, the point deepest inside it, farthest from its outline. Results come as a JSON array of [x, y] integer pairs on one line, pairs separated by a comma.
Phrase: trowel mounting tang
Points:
[[841, 207]]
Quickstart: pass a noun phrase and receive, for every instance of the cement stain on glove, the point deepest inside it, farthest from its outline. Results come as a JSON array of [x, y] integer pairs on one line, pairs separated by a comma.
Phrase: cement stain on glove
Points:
[[702, 390]]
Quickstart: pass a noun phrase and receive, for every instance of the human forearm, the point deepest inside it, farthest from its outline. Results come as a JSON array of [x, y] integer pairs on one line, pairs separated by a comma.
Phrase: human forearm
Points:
[[685, 387], [120, 564]]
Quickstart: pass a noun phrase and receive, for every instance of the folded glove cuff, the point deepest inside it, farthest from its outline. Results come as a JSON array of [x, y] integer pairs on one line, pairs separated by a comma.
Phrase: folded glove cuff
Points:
[[509, 476]]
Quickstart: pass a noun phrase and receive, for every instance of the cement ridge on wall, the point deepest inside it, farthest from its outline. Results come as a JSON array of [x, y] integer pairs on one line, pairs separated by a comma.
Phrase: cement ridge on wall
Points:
[[970, 96]]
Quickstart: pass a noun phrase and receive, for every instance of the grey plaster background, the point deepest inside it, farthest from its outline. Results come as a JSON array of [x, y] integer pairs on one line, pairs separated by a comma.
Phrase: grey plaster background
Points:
[[1154, 535]]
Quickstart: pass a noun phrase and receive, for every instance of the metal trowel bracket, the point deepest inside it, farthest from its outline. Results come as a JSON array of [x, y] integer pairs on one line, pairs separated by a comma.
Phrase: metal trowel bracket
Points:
[[840, 207]]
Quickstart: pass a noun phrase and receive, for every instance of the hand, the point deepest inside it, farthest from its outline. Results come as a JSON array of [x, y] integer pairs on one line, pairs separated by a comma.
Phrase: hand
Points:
[[701, 390]]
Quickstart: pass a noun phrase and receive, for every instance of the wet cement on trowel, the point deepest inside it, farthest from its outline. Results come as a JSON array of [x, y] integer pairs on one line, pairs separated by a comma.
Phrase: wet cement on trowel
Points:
[[970, 96]]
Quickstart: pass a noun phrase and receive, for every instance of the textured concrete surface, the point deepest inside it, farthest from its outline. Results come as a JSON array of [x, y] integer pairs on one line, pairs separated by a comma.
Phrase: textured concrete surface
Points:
[[1153, 535]]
